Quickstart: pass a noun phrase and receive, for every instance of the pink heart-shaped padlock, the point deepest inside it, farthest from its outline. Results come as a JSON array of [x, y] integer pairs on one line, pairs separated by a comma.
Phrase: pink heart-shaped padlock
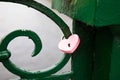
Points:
[[69, 45]]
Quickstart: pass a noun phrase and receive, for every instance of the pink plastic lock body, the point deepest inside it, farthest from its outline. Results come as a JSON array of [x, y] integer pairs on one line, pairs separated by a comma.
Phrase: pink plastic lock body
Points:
[[69, 45]]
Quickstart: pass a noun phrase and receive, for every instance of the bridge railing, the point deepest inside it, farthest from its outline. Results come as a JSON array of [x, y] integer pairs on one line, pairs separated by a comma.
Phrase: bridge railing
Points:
[[46, 74]]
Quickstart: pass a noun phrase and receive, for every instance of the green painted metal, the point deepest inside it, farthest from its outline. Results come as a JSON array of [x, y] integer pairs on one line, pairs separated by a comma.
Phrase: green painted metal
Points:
[[29, 34], [98, 13], [4, 55], [97, 57], [42, 74], [97, 22], [82, 59], [115, 56], [103, 53], [107, 45]]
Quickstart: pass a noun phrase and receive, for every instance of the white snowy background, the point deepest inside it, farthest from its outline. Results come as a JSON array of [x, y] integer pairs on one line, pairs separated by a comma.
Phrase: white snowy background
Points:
[[15, 16]]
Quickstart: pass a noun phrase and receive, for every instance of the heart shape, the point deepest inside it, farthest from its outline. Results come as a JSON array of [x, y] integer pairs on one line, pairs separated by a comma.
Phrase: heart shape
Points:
[[69, 45]]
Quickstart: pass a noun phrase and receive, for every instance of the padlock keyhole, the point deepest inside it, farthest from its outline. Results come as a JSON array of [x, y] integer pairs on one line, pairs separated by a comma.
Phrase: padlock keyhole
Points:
[[69, 45]]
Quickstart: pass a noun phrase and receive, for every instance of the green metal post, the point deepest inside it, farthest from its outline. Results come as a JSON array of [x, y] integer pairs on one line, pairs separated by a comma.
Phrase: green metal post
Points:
[[115, 56], [82, 58], [103, 51], [107, 64]]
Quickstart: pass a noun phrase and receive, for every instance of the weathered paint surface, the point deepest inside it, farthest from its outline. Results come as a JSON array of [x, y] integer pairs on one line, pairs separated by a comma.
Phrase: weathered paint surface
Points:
[[93, 12]]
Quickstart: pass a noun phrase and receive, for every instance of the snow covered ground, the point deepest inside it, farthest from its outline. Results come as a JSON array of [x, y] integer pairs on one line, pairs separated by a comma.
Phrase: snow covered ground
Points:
[[16, 16]]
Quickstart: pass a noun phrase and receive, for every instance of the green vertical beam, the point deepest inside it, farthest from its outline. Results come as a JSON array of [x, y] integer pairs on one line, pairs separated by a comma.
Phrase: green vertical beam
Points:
[[107, 54], [115, 56], [82, 58], [103, 51]]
